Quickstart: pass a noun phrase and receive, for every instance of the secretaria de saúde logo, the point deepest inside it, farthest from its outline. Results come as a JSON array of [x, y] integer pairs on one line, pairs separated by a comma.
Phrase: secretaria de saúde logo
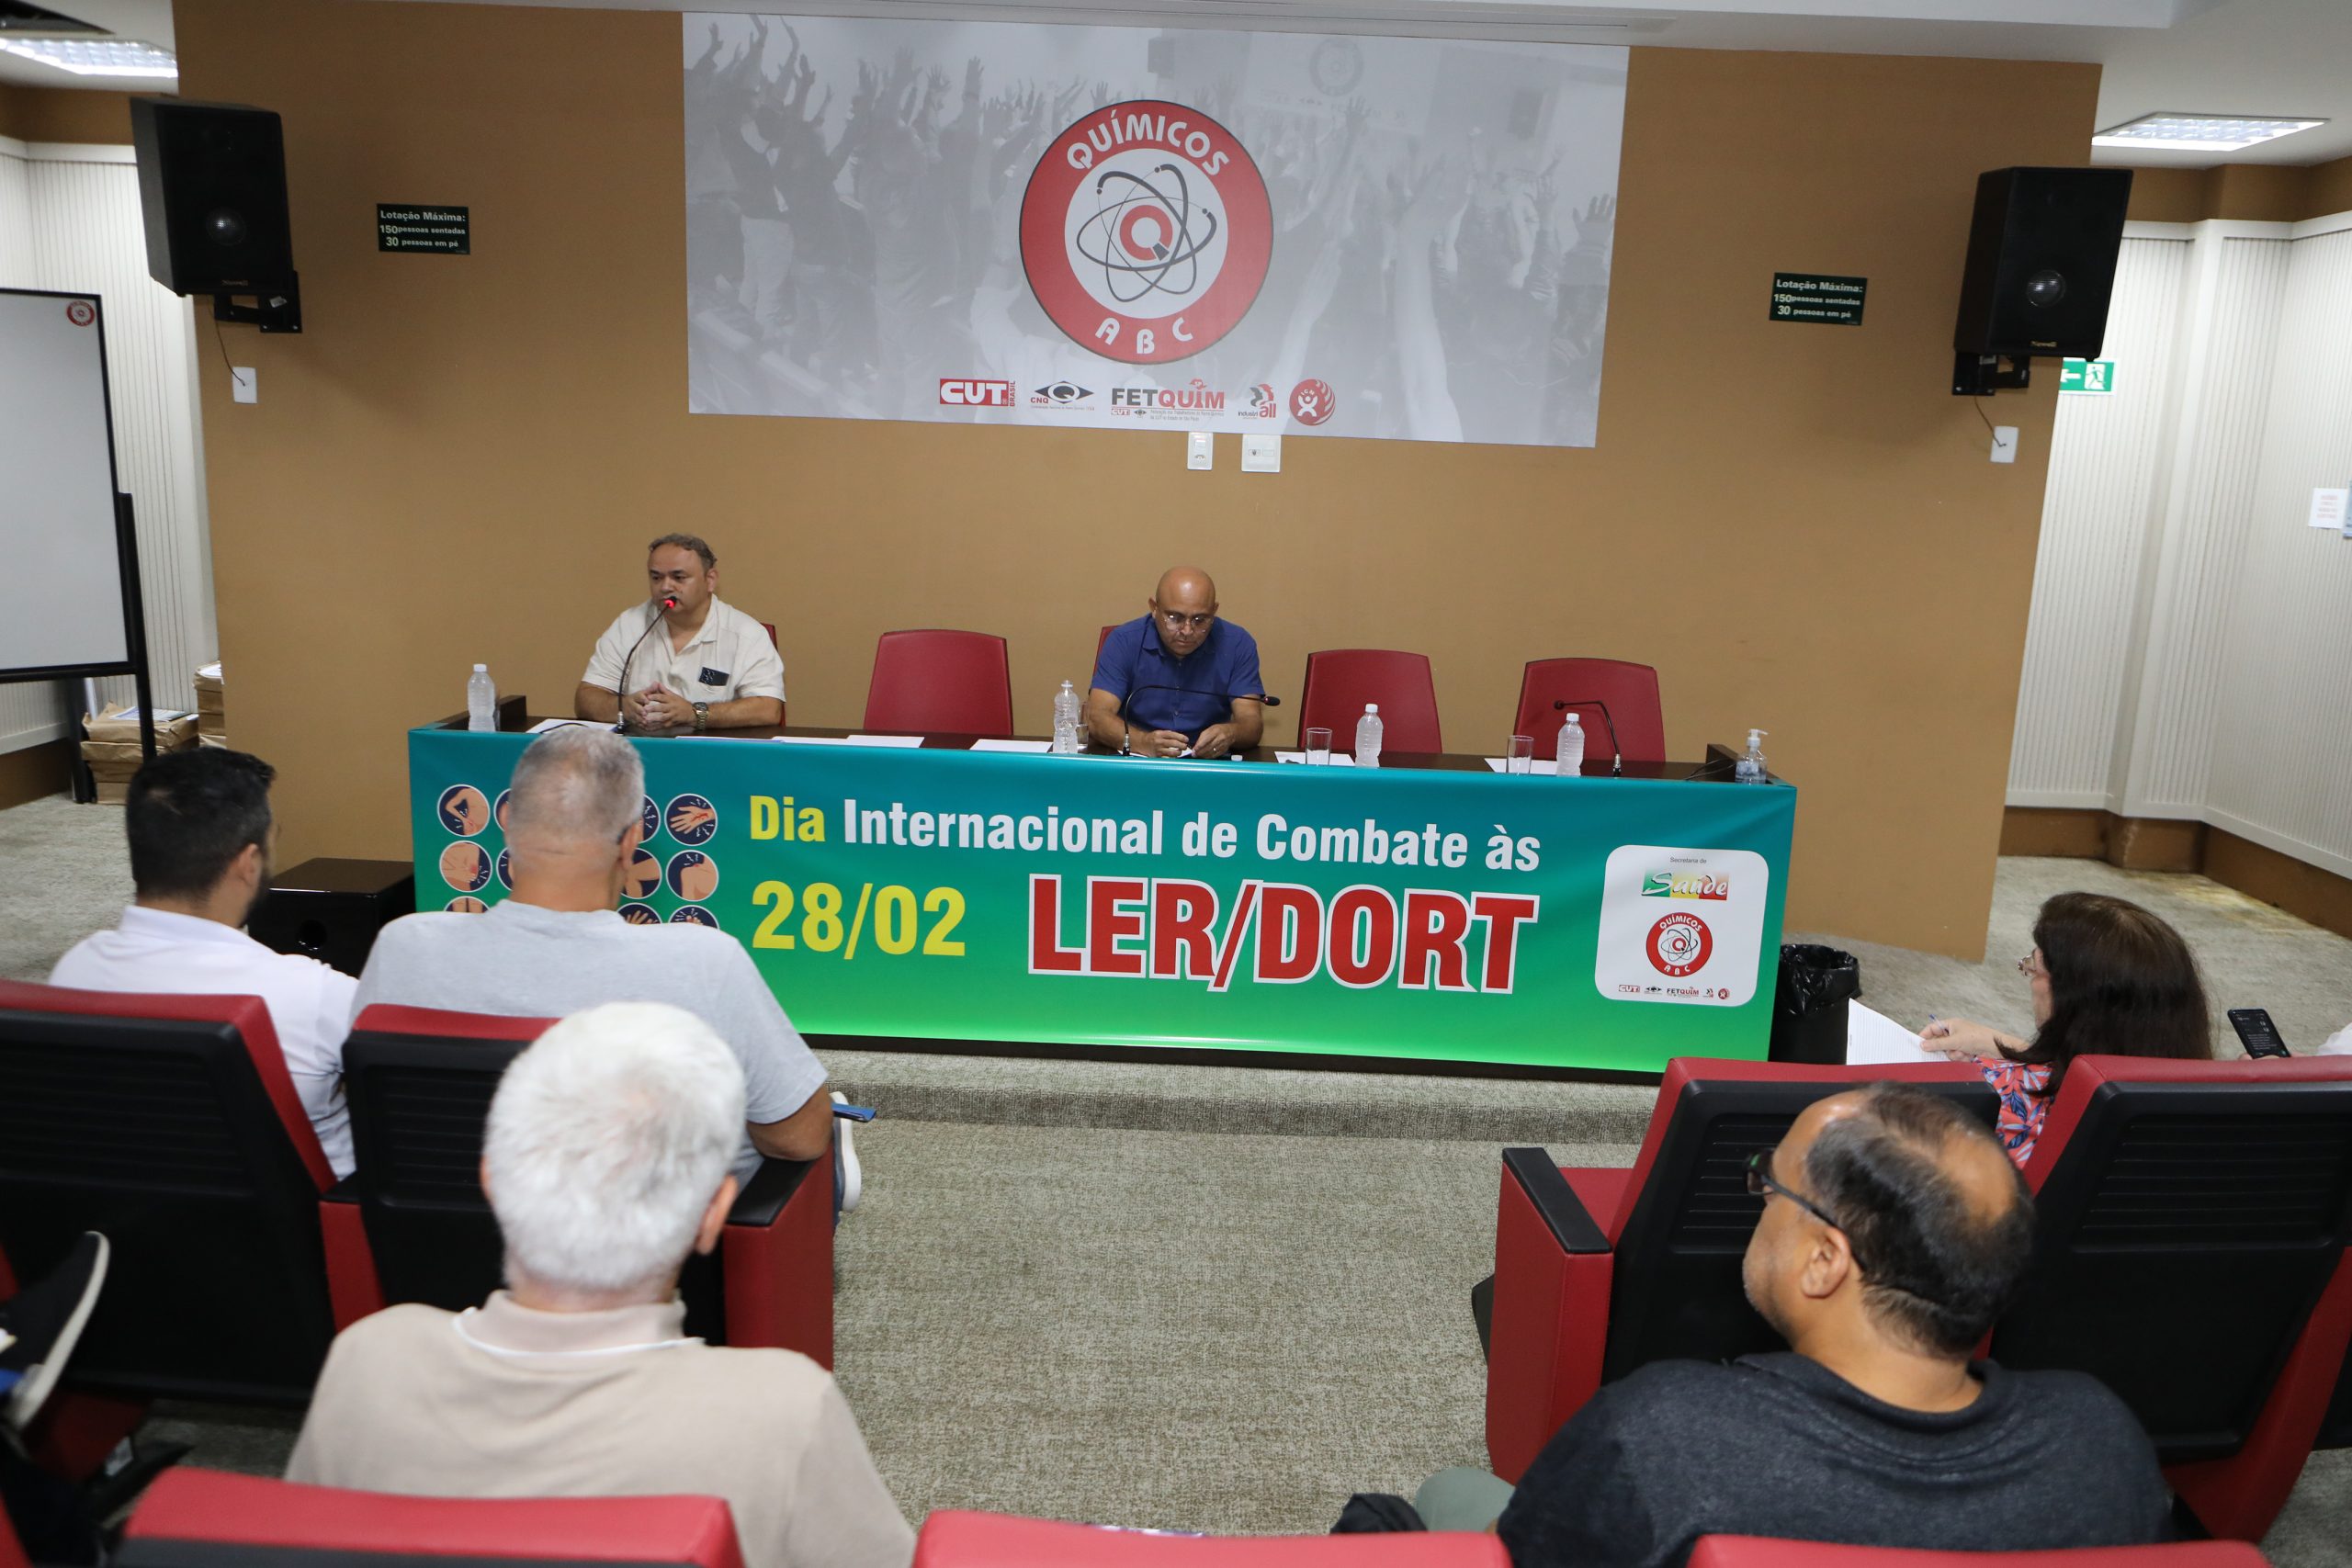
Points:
[[1146, 232]]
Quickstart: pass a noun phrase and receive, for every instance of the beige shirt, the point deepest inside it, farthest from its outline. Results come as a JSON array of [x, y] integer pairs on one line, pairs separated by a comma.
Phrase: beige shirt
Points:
[[731, 646], [504, 1401]]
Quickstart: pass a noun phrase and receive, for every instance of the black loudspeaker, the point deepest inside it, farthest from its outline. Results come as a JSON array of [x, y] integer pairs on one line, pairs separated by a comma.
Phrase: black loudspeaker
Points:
[[2041, 256], [332, 909], [213, 189]]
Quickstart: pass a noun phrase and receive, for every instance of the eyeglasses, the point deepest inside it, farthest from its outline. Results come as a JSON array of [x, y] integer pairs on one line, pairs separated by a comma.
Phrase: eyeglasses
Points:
[[2030, 967], [1186, 622], [1760, 1184]]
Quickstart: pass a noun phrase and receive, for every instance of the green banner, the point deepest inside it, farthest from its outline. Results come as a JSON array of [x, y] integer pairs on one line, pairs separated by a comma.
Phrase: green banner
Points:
[[1442, 916]]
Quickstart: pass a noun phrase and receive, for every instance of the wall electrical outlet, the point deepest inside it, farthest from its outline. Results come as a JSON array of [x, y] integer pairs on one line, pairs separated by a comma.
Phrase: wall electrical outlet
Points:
[[2004, 444], [244, 383], [1261, 454], [1200, 450]]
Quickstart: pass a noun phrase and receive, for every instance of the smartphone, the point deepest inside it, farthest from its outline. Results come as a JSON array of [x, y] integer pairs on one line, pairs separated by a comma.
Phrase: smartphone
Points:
[[2256, 1032]]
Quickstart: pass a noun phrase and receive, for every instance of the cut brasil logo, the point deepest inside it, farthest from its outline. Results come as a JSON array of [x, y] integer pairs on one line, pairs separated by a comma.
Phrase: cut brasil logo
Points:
[[1146, 232]]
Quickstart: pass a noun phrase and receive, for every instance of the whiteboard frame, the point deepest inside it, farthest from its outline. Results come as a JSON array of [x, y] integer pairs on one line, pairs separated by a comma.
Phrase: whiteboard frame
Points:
[[126, 538]]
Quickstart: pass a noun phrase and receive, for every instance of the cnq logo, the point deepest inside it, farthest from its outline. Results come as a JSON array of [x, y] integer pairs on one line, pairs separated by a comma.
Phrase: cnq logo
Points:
[[976, 394]]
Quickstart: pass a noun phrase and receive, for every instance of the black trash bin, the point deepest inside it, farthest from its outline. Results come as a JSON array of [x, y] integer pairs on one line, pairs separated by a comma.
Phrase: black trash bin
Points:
[[1809, 1009]]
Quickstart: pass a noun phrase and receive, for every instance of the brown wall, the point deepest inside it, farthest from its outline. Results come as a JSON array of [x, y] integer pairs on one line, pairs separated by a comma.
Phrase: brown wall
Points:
[[2275, 193], [462, 456], [64, 114]]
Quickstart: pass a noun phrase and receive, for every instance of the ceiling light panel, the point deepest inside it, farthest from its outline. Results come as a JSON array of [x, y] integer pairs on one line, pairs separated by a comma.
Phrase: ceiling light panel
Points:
[[2199, 132], [96, 57]]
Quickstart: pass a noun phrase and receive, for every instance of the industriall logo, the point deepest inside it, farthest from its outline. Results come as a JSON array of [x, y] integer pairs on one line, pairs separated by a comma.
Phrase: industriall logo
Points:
[[1146, 232]]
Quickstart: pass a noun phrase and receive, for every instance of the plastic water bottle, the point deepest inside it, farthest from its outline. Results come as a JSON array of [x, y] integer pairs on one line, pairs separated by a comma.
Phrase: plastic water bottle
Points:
[[1368, 737], [482, 700], [1751, 767], [1571, 748], [1066, 728]]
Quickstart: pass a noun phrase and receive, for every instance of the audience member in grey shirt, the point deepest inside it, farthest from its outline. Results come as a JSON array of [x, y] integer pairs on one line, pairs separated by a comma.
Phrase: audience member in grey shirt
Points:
[[1893, 1231], [557, 946]]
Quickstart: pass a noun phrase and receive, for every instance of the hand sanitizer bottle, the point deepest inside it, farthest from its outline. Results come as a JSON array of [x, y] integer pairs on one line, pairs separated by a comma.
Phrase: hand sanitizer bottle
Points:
[[1751, 767]]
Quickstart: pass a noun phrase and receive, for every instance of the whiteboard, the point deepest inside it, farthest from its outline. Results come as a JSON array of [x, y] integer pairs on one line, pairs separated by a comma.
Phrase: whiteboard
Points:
[[57, 487]]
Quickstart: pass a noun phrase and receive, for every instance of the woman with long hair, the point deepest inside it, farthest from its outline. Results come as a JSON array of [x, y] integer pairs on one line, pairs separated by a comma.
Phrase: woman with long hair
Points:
[[2109, 979]]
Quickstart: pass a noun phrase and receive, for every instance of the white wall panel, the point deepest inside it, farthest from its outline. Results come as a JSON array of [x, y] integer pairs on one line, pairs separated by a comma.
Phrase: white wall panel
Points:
[[2281, 762], [2107, 455], [77, 228], [2219, 452]]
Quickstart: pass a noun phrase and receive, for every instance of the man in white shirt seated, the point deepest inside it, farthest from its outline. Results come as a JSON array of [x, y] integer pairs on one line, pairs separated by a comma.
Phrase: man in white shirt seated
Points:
[[559, 944], [201, 839], [605, 1159], [682, 660]]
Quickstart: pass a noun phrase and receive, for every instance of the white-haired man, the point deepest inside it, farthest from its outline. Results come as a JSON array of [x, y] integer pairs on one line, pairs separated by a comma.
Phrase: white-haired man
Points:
[[559, 944], [606, 1161]]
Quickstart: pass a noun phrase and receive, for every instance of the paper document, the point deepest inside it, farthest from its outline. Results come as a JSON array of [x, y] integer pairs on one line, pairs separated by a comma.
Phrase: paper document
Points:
[[547, 724], [1030, 748], [1534, 765], [851, 740], [1337, 758], [1872, 1037]]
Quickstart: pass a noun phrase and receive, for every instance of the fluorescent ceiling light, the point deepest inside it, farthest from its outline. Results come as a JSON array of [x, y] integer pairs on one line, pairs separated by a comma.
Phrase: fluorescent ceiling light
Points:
[[2199, 132], [96, 57]]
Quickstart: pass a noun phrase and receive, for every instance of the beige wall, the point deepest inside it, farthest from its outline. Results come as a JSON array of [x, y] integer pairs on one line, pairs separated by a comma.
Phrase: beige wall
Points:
[[64, 114], [462, 456], [2274, 193]]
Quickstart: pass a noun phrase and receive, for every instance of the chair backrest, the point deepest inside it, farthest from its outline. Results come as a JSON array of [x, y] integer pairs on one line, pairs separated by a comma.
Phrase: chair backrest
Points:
[[1630, 690], [952, 1539], [769, 628], [171, 1125], [1101, 638], [420, 1081], [188, 1517], [2189, 1216], [1341, 681], [1755, 1552], [941, 682], [1683, 1226]]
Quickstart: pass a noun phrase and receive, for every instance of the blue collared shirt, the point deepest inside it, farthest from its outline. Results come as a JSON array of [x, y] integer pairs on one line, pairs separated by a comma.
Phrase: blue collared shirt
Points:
[[1203, 682]]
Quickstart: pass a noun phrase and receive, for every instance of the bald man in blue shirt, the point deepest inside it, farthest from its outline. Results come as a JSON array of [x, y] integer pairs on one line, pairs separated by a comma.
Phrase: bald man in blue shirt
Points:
[[1178, 680]]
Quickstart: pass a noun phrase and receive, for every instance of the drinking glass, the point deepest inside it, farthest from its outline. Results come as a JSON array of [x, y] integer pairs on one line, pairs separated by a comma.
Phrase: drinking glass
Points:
[[1318, 748], [1522, 756]]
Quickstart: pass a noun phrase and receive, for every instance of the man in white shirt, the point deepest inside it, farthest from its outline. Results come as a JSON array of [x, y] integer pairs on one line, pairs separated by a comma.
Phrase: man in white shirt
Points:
[[682, 660], [201, 843], [605, 1159], [558, 944]]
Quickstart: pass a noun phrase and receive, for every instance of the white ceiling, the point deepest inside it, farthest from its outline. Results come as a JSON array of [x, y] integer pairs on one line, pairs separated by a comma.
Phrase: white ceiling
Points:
[[2238, 57]]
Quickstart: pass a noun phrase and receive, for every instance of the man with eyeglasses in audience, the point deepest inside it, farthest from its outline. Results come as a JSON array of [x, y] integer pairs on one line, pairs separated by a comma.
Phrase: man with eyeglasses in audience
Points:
[[606, 1160], [1178, 680], [1894, 1229]]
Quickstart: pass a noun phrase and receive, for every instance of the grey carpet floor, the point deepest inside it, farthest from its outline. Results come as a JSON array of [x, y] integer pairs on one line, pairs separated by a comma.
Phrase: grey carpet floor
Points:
[[1222, 1298]]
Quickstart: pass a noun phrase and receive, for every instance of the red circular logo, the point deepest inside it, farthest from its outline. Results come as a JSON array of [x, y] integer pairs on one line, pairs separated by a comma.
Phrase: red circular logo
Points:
[[1146, 232], [1680, 943], [81, 313], [1311, 401]]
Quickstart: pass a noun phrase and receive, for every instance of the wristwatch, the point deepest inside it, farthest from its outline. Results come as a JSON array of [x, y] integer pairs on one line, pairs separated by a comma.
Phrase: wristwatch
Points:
[[702, 717]]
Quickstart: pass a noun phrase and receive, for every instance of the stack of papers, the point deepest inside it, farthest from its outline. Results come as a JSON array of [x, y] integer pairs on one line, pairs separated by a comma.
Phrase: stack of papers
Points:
[[1031, 748], [1535, 765], [1872, 1037], [851, 740], [547, 724], [1336, 759]]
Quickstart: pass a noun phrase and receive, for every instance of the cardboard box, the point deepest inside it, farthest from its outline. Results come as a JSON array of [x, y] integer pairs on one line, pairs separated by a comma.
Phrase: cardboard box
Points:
[[172, 730]]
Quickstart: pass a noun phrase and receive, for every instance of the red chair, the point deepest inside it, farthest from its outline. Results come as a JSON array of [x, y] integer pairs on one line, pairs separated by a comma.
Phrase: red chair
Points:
[[2190, 1253], [1341, 681], [1755, 1552], [193, 1518], [170, 1124], [1101, 638], [420, 1083], [951, 1538], [1630, 690], [1598, 1271], [941, 682], [769, 628]]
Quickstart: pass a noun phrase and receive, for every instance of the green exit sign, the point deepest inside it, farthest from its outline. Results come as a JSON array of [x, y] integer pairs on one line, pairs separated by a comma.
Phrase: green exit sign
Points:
[[2086, 375]]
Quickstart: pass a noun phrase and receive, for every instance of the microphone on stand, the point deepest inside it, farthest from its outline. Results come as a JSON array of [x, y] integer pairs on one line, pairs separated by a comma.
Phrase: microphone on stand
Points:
[[620, 720], [1617, 768]]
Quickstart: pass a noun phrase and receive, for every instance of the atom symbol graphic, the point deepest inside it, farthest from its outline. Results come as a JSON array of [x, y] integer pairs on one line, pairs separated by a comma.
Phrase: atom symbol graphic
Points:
[[1142, 236]]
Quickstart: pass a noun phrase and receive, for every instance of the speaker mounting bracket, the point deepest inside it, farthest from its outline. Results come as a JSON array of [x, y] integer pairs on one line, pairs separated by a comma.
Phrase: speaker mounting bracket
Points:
[[276, 309], [1976, 374]]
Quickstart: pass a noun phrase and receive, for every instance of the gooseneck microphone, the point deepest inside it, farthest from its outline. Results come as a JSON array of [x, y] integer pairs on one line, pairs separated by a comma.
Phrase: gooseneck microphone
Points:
[[620, 718], [1617, 768]]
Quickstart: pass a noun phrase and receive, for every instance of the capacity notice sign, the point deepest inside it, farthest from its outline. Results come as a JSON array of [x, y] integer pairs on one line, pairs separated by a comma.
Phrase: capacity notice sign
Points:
[[1818, 298], [400, 226], [1098, 900]]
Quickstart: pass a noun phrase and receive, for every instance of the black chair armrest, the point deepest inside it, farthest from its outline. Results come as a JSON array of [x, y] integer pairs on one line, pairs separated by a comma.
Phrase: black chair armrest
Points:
[[771, 1187], [1572, 1225]]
